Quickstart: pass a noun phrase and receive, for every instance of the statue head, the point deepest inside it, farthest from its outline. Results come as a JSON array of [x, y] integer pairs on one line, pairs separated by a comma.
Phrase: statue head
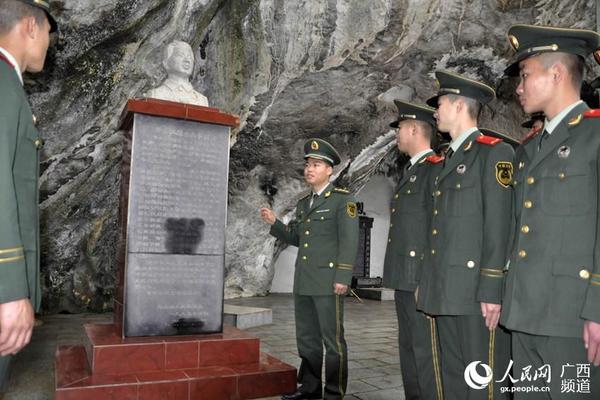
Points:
[[179, 59]]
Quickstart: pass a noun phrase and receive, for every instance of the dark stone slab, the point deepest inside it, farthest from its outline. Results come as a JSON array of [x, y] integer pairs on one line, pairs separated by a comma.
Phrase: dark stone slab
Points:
[[178, 187]]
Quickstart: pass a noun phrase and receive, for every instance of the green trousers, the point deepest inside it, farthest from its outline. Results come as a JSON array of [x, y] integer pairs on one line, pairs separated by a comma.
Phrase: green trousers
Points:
[[4, 373], [419, 350], [572, 376], [464, 339], [320, 322]]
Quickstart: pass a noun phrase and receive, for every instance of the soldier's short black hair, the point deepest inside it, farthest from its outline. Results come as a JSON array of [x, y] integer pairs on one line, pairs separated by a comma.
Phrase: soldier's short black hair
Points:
[[572, 62], [12, 11], [473, 106]]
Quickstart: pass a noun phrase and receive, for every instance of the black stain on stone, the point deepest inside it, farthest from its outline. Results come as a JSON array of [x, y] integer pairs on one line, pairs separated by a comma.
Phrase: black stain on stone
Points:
[[183, 234], [188, 326]]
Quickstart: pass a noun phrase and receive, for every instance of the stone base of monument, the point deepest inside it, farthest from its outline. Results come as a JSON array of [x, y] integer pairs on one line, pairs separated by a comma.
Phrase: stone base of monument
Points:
[[226, 365], [243, 317], [381, 294]]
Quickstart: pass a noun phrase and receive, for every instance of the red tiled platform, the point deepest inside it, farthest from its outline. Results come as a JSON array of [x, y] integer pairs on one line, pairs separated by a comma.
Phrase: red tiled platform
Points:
[[211, 367]]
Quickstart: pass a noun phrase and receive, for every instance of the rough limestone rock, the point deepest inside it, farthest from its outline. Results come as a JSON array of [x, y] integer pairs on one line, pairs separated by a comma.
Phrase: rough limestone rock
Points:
[[290, 69]]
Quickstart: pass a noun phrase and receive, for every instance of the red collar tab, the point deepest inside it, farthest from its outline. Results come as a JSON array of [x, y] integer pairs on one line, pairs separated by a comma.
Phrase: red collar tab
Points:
[[6, 60], [595, 113], [489, 140], [530, 135], [435, 159]]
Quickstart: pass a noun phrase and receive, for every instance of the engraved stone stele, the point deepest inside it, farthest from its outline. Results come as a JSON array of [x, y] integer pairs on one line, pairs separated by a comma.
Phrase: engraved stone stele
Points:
[[179, 63], [171, 257]]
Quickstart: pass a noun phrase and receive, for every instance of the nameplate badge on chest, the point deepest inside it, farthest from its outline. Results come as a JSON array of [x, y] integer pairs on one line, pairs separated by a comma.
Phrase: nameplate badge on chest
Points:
[[322, 211], [461, 169], [563, 151]]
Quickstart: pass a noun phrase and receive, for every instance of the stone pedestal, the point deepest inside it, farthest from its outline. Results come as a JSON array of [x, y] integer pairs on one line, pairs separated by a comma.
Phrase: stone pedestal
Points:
[[167, 340]]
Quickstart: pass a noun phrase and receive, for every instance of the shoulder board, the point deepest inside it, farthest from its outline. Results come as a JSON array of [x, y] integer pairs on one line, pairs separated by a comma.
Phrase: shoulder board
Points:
[[595, 113], [341, 190], [530, 135], [435, 159], [489, 140], [307, 195]]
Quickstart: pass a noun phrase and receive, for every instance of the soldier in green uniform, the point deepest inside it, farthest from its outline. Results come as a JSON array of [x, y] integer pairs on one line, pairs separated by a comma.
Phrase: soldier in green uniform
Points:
[[325, 230], [409, 230], [552, 298], [462, 280], [25, 27]]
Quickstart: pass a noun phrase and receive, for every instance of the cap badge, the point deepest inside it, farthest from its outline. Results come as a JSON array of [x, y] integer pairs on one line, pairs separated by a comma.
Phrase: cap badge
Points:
[[597, 55], [314, 145], [514, 42]]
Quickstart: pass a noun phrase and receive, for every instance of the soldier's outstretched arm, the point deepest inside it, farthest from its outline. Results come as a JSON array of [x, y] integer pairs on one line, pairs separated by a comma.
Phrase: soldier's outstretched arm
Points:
[[286, 233]]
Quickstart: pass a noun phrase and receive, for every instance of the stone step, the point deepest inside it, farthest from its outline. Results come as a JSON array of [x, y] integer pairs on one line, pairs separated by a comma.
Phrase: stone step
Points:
[[243, 317], [110, 354], [381, 294], [268, 377]]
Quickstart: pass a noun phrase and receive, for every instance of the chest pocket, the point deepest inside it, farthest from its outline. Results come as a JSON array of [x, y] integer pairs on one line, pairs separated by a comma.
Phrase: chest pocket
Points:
[[459, 195], [411, 196], [323, 221], [567, 189]]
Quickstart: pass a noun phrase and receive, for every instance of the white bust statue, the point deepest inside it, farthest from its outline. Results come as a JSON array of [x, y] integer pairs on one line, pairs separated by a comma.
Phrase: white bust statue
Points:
[[178, 62]]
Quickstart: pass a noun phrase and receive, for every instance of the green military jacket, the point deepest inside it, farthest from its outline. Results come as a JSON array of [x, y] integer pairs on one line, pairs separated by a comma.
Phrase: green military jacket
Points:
[[19, 232], [469, 231], [326, 235], [410, 213], [553, 280]]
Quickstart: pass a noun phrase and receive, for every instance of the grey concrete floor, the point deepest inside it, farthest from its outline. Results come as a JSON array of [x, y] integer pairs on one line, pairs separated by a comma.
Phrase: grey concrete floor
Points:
[[371, 334]]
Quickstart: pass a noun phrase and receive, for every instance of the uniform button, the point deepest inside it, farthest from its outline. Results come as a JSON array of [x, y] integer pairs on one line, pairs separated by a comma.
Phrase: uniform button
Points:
[[393, 210], [584, 274], [322, 217], [435, 212], [412, 253], [308, 220], [527, 204], [525, 229], [305, 244], [391, 225], [307, 233], [408, 191], [458, 185], [434, 232], [438, 193], [432, 251], [34, 119], [561, 175], [531, 180], [330, 265], [396, 196], [522, 253], [470, 264], [390, 240], [304, 257]]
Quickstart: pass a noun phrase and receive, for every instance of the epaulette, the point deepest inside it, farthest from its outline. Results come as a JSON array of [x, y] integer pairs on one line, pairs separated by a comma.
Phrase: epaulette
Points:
[[306, 196], [530, 135], [595, 113], [341, 190], [435, 159], [489, 140]]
